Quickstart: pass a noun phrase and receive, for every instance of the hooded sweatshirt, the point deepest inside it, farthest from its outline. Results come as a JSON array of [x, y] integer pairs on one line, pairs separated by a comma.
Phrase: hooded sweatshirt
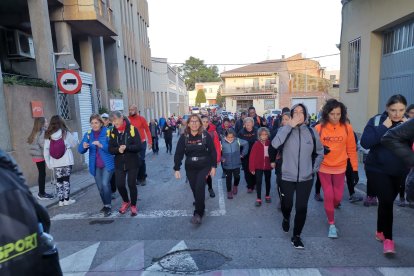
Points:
[[297, 151], [232, 152], [341, 141], [259, 156], [67, 158]]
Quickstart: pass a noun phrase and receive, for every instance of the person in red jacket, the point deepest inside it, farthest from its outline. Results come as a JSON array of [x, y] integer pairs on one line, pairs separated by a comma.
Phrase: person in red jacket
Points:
[[259, 164], [211, 129]]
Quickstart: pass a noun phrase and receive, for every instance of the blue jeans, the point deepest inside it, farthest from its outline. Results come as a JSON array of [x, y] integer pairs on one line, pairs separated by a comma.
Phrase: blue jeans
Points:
[[102, 179]]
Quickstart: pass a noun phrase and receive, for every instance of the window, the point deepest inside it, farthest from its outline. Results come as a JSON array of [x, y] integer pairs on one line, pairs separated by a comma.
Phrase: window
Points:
[[399, 38], [269, 104], [354, 52]]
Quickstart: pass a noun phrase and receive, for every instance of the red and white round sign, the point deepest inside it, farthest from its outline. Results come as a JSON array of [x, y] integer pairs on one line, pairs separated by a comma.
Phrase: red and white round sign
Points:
[[69, 82]]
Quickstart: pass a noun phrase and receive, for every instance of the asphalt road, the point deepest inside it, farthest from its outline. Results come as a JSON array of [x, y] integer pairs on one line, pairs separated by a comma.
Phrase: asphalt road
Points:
[[235, 236]]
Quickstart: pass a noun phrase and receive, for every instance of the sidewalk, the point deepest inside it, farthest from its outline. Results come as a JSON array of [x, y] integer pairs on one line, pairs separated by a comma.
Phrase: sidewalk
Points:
[[79, 181]]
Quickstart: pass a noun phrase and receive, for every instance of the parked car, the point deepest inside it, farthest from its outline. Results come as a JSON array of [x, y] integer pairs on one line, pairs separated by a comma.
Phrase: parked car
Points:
[[272, 112], [195, 110]]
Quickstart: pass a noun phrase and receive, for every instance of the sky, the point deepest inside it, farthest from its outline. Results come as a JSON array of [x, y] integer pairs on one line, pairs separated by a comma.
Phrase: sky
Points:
[[242, 31]]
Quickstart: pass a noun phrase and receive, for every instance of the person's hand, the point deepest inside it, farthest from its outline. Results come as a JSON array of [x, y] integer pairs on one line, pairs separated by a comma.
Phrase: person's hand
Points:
[[177, 174], [122, 148], [273, 165], [355, 177], [96, 143], [149, 146], [387, 123], [294, 121], [85, 145], [253, 172], [213, 172]]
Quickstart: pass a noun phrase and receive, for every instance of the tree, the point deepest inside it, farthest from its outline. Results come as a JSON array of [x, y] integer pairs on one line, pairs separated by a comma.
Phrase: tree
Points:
[[219, 99], [201, 97], [194, 70]]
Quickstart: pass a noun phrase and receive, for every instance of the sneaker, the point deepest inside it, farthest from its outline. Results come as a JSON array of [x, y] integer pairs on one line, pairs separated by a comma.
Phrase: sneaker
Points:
[[235, 190], [124, 207], [44, 196], [196, 219], [258, 202], [61, 203], [338, 206], [379, 236], [107, 212], [143, 182], [134, 210], [367, 201], [318, 197], [355, 198], [212, 194], [389, 247], [402, 202], [268, 199], [333, 232], [68, 202], [297, 242], [229, 195], [102, 210], [285, 225], [249, 191]]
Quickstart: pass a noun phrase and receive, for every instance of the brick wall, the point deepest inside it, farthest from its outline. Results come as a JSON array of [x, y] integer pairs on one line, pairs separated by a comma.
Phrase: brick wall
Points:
[[285, 99]]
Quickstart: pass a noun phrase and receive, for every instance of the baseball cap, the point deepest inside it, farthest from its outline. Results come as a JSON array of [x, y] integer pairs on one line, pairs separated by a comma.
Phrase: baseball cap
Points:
[[105, 115]]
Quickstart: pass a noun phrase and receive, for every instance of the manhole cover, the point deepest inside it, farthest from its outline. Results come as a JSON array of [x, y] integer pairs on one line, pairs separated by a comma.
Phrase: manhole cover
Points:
[[192, 260], [101, 221]]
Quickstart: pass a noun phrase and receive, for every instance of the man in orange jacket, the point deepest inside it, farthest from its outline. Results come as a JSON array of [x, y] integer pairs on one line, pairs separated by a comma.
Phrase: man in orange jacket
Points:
[[144, 132]]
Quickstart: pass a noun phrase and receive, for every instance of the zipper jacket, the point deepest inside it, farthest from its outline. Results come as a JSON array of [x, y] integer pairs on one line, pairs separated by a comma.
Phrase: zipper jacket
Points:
[[259, 157], [233, 152]]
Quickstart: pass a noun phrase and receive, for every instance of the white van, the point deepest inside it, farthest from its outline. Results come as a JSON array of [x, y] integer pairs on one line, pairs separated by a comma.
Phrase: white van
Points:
[[195, 110]]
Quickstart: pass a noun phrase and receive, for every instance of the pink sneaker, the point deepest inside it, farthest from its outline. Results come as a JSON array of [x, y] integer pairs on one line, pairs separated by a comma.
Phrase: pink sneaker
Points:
[[124, 207], [134, 210], [229, 195], [235, 190], [379, 236], [389, 247]]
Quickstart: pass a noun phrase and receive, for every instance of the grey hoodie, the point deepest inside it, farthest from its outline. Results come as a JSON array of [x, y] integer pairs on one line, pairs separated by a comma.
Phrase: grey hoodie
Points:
[[297, 151]]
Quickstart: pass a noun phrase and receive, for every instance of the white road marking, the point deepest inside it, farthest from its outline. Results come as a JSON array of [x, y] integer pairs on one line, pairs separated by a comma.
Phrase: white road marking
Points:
[[396, 271], [187, 261], [79, 263], [222, 204]]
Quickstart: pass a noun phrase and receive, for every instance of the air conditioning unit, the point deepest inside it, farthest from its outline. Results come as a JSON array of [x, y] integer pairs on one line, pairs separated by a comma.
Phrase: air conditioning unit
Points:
[[19, 45]]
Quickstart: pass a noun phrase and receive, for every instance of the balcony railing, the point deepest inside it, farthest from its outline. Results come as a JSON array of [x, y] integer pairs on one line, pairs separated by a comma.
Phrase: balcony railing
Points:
[[249, 90]]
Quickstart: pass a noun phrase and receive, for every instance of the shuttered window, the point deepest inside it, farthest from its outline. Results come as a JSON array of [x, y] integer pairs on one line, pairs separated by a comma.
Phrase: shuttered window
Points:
[[354, 48]]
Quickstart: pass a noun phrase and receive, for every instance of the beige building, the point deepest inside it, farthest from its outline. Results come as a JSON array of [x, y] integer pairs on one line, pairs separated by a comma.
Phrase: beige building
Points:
[[106, 40], [210, 89], [377, 55], [274, 84]]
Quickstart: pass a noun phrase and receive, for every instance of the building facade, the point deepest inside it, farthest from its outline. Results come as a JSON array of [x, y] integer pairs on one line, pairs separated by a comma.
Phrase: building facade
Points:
[[274, 84], [210, 89], [377, 55], [105, 40], [168, 89]]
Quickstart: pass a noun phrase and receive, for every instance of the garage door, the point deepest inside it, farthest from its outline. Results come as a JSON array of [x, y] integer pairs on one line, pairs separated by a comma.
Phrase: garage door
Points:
[[85, 105], [310, 103]]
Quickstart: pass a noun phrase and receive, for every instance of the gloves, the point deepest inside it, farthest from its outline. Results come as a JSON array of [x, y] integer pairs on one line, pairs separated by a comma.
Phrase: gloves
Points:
[[355, 177]]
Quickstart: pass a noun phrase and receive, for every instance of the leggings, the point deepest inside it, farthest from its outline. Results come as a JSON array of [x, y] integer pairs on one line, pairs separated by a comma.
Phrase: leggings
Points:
[[387, 188], [41, 180], [209, 181], [168, 143], [259, 178], [333, 190], [120, 176], [229, 177], [197, 179], [248, 176], [303, 190], [63, 182]]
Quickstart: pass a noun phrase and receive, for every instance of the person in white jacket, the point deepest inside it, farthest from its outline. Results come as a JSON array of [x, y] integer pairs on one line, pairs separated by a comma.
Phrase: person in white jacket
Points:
[[59, 157]]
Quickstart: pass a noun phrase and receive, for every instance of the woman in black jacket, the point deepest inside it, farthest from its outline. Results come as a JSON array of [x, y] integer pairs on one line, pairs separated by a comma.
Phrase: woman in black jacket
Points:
[[125, 144], [383, 167], [201, 160], [168, 130]]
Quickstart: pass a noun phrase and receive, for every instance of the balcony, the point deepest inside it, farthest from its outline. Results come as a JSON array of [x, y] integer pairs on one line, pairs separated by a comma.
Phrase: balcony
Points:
[[93, 17], [243, 90]]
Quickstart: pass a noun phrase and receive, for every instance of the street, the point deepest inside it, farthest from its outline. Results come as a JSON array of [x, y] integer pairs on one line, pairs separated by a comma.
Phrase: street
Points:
[[235, 237]]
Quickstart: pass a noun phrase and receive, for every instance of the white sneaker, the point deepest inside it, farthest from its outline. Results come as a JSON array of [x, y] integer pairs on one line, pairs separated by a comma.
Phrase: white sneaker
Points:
[[61, 203], [69, 202]]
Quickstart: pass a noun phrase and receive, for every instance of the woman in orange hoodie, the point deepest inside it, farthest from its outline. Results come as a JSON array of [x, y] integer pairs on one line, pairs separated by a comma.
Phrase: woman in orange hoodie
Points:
[[338, 140]]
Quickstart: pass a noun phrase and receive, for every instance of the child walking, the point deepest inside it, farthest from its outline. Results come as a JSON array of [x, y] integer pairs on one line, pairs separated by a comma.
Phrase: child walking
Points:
[[233, 149], [259, 164]]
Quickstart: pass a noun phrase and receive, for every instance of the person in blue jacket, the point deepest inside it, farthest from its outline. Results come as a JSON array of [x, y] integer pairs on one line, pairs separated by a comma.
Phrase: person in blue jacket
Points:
[[101, 162], [386, 171]]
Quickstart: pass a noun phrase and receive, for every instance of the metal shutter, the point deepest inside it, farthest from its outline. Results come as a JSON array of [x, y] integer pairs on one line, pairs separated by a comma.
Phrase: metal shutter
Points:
[[85, 105]]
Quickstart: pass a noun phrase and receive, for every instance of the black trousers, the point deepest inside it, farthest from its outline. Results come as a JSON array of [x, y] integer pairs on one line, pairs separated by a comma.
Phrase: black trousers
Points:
[[230, 174], [371, 191], [131, 175], [349, 174], [41, 180], [155, 146], [259, 179], [168, 143], [250, 178], [303, 190], [113, 183], [387, 188], [209, 181], [317, 184], [197, 179]]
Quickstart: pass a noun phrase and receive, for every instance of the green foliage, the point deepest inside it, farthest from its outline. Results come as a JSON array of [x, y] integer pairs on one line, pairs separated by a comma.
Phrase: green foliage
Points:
[[103, 110], [194, 70], [201, 97], [220, 99], [117, 93], [18, 80]]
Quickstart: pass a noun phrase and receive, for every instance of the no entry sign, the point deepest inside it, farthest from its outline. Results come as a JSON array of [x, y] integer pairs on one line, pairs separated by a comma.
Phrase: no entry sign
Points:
[[69, 82]]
